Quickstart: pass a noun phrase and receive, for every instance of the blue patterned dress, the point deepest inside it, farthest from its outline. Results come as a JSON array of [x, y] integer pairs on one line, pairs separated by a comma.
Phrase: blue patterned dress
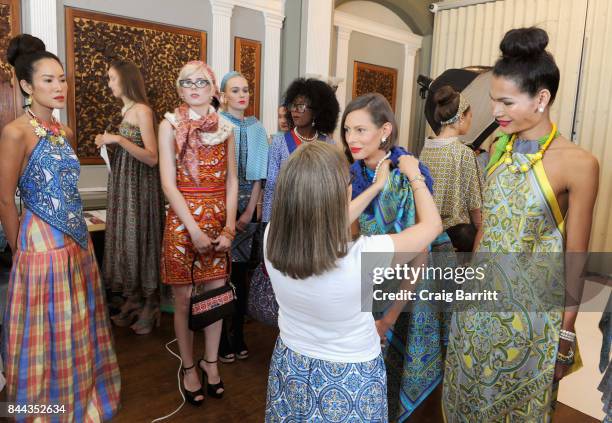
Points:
[[414, 359]]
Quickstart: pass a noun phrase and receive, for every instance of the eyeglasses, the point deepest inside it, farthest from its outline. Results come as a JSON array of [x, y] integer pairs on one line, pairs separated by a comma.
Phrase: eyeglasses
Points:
[[198, 83], [300, 107]]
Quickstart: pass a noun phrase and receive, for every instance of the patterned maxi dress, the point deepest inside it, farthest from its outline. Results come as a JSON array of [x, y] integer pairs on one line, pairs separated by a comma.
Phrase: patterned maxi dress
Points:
[[500, 364], [205, 199], [57, 346], [135, 221], [414, 359]]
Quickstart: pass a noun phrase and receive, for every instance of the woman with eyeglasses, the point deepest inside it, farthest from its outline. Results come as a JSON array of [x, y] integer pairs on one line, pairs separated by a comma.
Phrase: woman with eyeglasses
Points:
[[198, 173], [251, 142], [312, 113]]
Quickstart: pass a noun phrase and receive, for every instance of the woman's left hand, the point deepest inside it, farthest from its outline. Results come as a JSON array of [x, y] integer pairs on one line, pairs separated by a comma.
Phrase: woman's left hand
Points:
[[560, 371], [106, 138], [244, 220], [222, 244]]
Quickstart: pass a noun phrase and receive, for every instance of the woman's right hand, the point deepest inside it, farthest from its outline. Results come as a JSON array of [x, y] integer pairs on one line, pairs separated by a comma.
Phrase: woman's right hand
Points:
[[383, 174], [409, 166], [201, 241]]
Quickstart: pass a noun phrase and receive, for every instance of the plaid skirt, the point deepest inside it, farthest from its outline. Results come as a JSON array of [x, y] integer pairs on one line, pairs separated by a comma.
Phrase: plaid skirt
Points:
[[57, 346], [305, 389]]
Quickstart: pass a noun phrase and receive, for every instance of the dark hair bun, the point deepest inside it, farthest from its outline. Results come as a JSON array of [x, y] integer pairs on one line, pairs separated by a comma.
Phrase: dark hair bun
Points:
[[445, 95], [523, 43], [446, 99], [23, 45]]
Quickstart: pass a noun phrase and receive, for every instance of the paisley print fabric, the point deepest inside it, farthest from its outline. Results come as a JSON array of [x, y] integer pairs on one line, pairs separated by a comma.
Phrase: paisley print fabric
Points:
[[304, 389], [414, 359], [135, 221], [500, 365]]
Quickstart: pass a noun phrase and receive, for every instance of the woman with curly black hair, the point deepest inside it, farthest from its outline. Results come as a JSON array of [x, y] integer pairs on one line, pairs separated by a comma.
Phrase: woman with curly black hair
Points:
[[312, 112]]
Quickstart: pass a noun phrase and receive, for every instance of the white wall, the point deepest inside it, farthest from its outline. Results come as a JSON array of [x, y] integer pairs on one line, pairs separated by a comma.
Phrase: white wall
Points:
[[249, 23], [376, 51], [374, 12]]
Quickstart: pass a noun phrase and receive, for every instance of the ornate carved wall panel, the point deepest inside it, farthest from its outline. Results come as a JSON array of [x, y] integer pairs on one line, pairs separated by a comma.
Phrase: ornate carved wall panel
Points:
[[247, 60], [368, 78], [10, 97], [93, 41]]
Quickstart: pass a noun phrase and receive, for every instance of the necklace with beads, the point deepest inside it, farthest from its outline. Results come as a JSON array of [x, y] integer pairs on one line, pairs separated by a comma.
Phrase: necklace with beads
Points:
[[524, 168], [53, 132], [304, 139], [379, 164]]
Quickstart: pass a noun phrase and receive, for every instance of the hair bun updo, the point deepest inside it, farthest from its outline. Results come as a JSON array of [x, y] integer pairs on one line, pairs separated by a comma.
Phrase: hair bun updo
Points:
[[23, 51], [524, 43], [23, 45], [446, 99], [527, 63]]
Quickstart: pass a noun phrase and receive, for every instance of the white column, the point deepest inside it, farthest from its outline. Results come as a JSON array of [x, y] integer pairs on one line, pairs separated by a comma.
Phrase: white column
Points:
[[318, 36], [271, 70], [407, 91], [43, 24], [342, 50], [221, 36]]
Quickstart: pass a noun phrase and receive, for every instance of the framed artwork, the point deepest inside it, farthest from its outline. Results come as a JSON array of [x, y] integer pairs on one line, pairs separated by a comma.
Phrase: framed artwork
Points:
[[93, 41], [247, 60], [368, 78], [10, 96]]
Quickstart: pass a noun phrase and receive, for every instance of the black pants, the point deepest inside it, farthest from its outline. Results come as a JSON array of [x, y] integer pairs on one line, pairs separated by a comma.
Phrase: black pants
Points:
[[232, 335]]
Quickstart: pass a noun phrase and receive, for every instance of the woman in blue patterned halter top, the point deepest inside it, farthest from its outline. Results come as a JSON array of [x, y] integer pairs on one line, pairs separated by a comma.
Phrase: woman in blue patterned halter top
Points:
[[56, 346]]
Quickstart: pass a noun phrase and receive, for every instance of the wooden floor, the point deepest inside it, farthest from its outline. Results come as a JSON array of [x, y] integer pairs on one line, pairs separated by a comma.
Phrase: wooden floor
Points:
[[150, 388]]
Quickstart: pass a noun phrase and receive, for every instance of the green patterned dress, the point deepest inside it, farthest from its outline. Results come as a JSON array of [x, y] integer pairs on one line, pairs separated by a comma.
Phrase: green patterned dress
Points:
[[500, 365]]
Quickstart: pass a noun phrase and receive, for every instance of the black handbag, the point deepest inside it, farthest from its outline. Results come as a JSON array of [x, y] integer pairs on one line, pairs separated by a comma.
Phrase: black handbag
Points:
[[210, 306]]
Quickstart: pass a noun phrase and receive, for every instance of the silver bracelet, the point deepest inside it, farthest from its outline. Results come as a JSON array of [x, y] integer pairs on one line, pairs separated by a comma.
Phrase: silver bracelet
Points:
[[566, 335]]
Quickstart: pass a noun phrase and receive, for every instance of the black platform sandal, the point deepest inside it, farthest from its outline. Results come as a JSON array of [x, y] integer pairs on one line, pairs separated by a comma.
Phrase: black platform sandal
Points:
[[212, 390], [190, 396]]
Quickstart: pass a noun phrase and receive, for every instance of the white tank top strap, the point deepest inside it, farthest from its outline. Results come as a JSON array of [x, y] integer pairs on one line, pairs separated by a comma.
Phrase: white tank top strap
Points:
[[171, 117]]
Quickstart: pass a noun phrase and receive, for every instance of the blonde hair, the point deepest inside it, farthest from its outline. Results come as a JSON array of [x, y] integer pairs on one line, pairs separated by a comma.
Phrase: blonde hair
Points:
[[309, 228], [193, 67]]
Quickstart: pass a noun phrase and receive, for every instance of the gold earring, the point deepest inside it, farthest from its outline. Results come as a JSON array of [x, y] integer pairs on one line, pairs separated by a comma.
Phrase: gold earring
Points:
[[28, 100]]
